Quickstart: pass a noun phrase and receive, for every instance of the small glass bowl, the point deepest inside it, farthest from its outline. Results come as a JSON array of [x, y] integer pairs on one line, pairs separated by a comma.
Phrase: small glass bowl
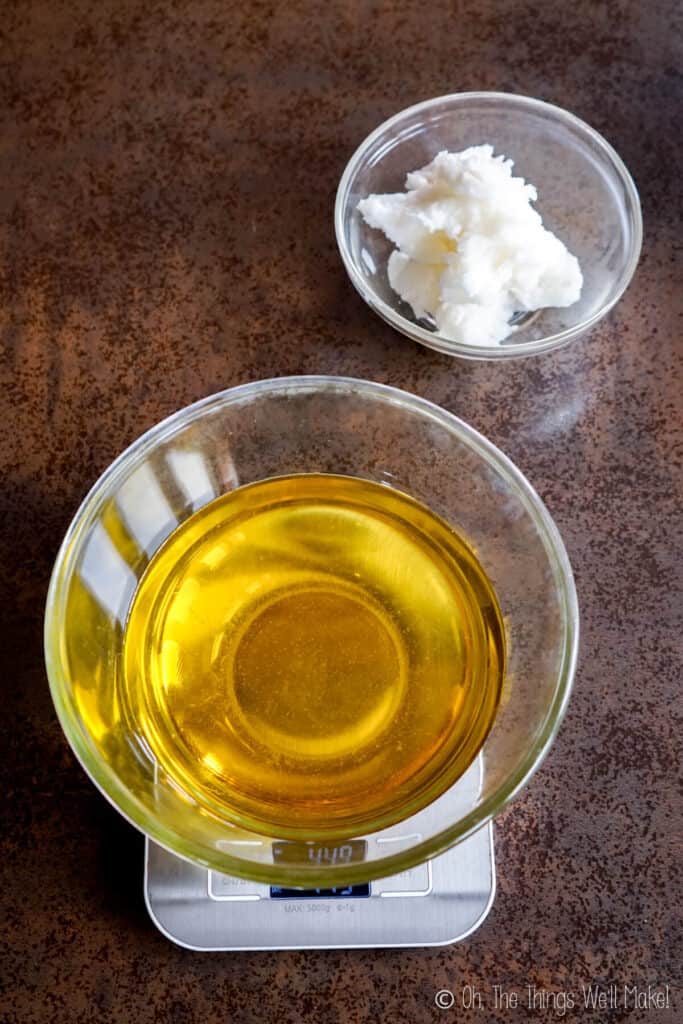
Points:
[[586, 197]]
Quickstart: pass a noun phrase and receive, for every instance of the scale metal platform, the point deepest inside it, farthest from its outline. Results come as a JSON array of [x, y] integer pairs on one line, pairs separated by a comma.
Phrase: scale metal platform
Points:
[[433, 904]]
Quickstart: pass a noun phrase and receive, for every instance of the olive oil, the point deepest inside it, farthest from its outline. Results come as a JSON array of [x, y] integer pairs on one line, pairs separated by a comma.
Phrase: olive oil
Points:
[[314, 655]]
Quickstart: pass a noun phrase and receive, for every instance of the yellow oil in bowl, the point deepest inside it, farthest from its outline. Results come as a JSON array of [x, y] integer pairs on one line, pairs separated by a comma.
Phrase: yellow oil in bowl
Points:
[[313, 655]]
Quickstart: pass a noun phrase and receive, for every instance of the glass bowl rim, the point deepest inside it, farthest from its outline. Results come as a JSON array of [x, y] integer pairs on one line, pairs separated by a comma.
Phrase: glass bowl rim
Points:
[[457, 348], [135, 812]]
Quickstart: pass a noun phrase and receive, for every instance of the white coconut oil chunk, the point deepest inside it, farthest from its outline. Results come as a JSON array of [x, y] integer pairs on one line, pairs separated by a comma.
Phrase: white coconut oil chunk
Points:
[[471, 251]]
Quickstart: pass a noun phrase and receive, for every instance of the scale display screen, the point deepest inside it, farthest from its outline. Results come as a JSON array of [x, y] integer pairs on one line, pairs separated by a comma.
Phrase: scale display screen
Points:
[[350, 852], [349, 892]]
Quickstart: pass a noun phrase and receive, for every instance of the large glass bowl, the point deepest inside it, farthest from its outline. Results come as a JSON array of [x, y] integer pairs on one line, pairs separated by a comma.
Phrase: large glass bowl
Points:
[[586, 197], [307, 425]]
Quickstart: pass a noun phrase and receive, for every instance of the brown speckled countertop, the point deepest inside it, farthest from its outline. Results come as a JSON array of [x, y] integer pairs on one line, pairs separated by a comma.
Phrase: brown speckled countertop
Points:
[[167, 176]]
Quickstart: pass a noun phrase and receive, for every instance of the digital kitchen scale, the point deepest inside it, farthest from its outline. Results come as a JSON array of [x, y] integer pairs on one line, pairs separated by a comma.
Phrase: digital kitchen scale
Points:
[[432, 904]]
